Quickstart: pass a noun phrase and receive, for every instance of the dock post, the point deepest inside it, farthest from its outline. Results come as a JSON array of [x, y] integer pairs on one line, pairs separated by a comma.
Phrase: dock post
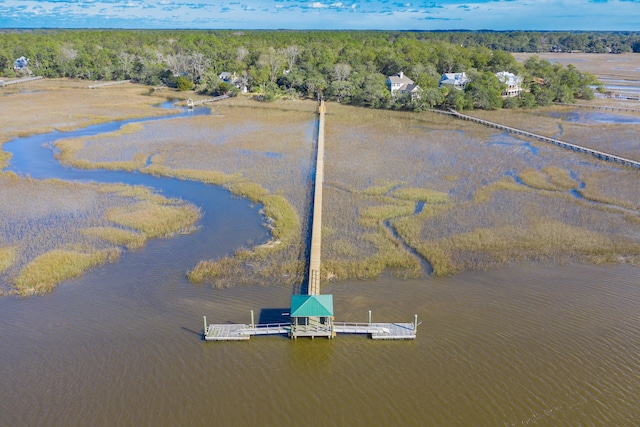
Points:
[[205, 325], [252, 322], [369, 317], [415, 322]]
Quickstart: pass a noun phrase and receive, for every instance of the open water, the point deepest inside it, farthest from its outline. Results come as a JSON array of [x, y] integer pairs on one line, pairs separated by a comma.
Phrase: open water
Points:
[[540, 345]]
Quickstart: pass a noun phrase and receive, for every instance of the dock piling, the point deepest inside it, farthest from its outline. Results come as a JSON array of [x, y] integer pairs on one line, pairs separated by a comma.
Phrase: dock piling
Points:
[[205, 325]]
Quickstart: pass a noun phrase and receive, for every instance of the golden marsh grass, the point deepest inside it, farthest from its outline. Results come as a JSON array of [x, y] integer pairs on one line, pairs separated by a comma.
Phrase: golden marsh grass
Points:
[[458, 194], [41, 216], [116, 236], [49, 269], [8, 256], [154, 220]]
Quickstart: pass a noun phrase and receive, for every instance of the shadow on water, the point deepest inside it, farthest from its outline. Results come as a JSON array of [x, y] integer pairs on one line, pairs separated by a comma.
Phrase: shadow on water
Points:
[[274, 315]]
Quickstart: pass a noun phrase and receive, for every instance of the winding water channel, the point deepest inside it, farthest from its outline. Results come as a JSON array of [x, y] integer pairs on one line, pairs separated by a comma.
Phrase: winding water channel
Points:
[[533, 344]]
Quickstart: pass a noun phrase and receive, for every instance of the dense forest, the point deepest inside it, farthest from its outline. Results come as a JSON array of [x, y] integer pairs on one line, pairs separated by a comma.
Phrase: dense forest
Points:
[[348, 66]]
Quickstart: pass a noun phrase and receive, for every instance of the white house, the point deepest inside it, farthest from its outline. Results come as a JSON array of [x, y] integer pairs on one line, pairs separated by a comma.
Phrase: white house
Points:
[[400, 84], [513, 83], [457, 80]]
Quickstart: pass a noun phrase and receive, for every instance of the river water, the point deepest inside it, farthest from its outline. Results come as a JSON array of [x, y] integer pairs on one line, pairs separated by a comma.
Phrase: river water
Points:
[[533, 344]]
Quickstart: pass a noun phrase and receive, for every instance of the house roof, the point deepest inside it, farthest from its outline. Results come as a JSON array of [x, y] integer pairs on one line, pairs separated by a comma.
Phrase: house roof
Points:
[[311, 305], [454, 78], [509, 79], [411, 88], [400, 79]]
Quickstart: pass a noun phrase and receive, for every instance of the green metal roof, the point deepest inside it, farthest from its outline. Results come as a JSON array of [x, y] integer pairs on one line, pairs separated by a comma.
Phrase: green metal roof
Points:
[[311, 305]]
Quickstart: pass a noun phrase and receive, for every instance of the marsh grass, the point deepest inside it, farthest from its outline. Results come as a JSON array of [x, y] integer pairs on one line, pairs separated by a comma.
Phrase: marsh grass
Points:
[[8, 256], [154, 220], [254, 152], [41, 216], [592, 192], [70, 148], [560, 177], [547, 240], [116, 236], [537, 179], [380, 165], [65, 104], [421, 195], [489, 218], [574, 125], [46, 271], [137, 192], [484, 193]]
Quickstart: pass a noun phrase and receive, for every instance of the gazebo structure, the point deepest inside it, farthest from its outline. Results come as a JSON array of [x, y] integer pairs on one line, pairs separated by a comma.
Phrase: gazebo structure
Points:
[[311, 316]]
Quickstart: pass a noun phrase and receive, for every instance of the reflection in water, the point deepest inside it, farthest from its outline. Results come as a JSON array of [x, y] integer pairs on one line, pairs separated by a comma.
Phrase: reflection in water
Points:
[[526, 345]]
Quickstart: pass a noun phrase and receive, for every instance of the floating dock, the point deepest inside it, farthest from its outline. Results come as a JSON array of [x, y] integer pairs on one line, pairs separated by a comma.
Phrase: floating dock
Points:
[[243, 332]]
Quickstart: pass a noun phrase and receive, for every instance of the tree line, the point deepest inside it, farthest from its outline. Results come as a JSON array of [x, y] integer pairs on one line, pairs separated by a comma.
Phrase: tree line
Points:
[[347, 66]]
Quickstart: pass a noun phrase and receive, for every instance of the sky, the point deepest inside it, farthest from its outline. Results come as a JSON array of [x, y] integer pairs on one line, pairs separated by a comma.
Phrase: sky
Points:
[[324, 14]]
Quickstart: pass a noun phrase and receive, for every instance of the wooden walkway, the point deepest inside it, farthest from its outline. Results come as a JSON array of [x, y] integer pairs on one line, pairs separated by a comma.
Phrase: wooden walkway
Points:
[[4, 83], [316, 228], [574, 147], [191, 103], [105, 84], [600, 107]]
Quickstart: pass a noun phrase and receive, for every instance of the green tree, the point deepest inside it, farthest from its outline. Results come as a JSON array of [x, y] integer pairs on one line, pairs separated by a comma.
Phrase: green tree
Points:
[[183, 83], [485, 91]]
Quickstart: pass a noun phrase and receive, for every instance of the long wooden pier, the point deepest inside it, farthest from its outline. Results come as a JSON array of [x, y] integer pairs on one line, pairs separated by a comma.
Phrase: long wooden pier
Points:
[[316, 228], [312, 315], [574, 147]]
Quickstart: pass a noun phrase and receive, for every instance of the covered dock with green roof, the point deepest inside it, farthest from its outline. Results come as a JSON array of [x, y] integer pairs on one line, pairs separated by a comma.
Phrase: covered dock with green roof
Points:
[[311, 316]]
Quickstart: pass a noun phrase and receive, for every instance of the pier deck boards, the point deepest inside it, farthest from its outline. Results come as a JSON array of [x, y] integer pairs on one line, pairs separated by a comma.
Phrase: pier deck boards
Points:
[[378, 331], [243, 332]]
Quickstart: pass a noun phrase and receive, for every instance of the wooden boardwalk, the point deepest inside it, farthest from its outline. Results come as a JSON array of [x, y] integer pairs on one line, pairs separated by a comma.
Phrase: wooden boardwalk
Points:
[[4, 83], [574, 147], [106, 84], [191, 103], [600, 107], [316, 228]]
